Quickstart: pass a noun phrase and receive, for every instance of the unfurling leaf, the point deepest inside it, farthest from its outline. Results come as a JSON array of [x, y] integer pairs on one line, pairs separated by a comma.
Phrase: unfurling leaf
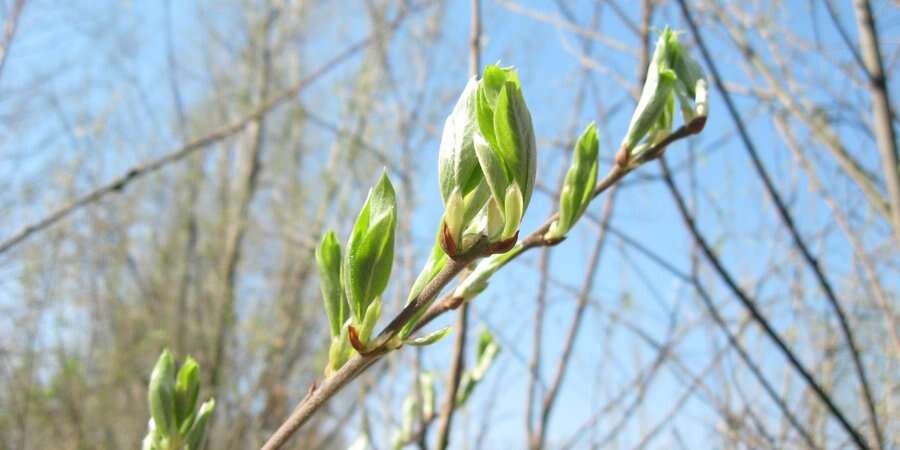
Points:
[[367, 263], [672, 74], [187, 389], [197, 435], [328, 258], [430, 338], [578, 186], [161, 394], [457, 165], [487, 351], [373, 313]]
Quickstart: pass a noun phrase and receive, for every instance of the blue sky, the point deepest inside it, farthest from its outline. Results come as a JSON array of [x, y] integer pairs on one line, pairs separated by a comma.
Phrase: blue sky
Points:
[[627, 284]]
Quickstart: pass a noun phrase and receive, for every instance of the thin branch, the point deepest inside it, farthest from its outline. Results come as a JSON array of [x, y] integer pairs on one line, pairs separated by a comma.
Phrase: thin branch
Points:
[[456, 370], [788, 220], [10, 25], [881, 115], [119, 183], [319, 394], [751, 306], [818, 186], [459, 345], [552, 393]]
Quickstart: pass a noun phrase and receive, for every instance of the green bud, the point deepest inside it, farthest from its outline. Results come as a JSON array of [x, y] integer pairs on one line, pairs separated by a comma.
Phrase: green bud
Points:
[[454, 215], [426, 383], [340, 351], [410, 416], [494, 221], [466, 386], [513, 210], [430, 338], [436, 261], [672, 74], [187, 389], [505, 146], [196, 437], [578, 186], [373, 313], [457, 165], [161, 395], [488, 349], [366, 266], [328, 258]]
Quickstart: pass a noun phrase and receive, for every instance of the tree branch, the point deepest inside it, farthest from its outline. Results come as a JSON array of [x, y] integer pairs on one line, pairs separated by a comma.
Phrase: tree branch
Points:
[[788, 221], [119, 183]]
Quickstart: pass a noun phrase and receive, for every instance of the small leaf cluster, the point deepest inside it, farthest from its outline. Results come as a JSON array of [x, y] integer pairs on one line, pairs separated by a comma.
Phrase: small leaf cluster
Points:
[[487, 162], [176, 422], [672, 75], [578, 186], [488, 349], [352, 283]]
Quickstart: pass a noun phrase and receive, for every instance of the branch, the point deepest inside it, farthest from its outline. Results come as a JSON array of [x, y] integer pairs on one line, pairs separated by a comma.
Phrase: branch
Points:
[[10, 25], [881, 115], [319, 394], [456, 370], [788, 221], [552, 394], [119, 183], [750, 305], [459, 344]]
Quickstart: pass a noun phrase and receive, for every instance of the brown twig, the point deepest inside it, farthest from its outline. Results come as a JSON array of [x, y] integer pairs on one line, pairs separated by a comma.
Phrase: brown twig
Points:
[[881, 116], [346, 374], [751, 307], [119, 183], [562, 365], [10, 25], [459, 345], [788, 221]]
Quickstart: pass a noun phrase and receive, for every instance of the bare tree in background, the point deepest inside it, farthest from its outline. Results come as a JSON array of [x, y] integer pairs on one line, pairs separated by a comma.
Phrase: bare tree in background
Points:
[[168, 170]]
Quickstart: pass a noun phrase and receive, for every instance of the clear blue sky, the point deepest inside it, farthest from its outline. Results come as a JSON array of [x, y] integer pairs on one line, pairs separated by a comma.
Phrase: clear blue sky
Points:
[[550, 76]]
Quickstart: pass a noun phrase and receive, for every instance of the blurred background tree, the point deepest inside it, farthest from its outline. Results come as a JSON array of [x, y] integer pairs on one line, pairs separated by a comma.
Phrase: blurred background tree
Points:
[[282, 113]]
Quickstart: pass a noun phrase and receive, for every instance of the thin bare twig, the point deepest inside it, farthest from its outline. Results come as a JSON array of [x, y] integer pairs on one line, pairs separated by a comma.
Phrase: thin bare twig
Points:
[[119, 183], [319, 394], [881, 115], [751, 306], [788, 221], [10, 25], [459, 345], [552, 393]]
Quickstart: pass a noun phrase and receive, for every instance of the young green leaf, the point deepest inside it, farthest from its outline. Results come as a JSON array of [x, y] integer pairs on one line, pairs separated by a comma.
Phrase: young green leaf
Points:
[[515, 138], [457, 165], [328, 258], [579, 183], [660, 85], [196, 437], [161, 395], [426, 383], [430, 338], [187, 389], [367, 263], [373, 313], [488, 349], [513, 211]]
